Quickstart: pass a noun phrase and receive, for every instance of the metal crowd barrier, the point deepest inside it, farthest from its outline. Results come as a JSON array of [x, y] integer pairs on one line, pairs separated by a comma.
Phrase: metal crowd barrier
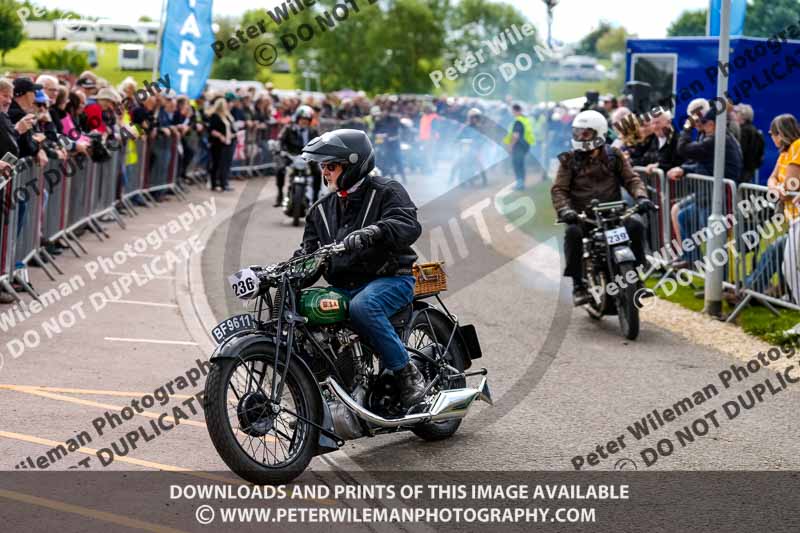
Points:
[[255, 152], [162, 165], [197, 168], [657, 223], [106, 186], [767, 244], [688, 204], [57, 194], [135, 176], [52, 204], [8, 238]]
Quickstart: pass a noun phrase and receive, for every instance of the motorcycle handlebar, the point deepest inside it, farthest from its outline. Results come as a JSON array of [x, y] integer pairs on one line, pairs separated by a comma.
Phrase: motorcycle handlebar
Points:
[[583, 217]]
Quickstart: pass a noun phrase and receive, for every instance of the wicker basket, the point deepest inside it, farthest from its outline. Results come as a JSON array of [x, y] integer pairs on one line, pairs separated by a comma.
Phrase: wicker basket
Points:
[[430, 279]]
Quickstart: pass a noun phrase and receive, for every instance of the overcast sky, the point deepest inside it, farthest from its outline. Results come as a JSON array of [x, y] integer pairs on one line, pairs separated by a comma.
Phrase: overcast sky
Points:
[[573, 18]]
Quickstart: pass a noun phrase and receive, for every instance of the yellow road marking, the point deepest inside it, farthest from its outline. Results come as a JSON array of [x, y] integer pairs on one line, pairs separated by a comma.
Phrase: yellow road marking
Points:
[[60, 397], [89, 391], [140, 462], [79, 401], [91, 451], [85, 511]]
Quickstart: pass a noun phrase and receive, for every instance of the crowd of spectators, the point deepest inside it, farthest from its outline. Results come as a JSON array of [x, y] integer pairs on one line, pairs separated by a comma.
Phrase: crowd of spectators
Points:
[[59, 118]]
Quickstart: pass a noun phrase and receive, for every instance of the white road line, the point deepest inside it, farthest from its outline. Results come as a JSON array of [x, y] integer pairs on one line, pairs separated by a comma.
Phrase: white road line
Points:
[[138, 274], [150, 341], [137, 302]]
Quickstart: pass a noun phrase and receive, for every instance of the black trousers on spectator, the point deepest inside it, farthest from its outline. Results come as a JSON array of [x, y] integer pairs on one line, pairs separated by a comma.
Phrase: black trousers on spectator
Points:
[[216, 162], [573, 246], [221, 158]]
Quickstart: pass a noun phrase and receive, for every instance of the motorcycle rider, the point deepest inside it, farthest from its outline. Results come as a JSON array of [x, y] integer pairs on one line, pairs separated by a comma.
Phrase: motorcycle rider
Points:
[[388, 124], [593, 170], [292, 139], [471, 160], [376, 220]]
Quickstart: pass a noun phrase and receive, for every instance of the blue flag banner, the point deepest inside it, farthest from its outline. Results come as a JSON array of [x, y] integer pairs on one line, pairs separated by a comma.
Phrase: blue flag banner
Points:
[[738, 12], [186, 53]]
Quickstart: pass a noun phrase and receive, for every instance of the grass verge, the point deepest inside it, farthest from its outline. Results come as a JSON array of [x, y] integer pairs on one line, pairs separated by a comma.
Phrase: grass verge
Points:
[[755, 320]]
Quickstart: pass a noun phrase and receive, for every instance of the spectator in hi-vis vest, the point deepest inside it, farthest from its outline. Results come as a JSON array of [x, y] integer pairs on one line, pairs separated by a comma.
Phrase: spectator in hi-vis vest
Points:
[[520, 139]]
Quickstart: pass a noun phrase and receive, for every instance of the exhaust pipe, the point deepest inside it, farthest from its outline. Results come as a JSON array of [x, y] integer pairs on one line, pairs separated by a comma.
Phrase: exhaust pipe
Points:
[[446, 405]]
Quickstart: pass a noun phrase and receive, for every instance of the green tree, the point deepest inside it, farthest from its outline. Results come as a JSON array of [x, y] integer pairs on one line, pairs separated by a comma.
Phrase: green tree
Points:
[[588, 45], [234, 64], [12, 32], [384, 47], [473, 24], [765, 18], [612, 41], [690, 23], [145, 18]]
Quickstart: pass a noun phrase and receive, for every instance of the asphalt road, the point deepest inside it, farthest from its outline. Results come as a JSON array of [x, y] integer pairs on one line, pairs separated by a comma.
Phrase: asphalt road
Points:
[[562, 383]]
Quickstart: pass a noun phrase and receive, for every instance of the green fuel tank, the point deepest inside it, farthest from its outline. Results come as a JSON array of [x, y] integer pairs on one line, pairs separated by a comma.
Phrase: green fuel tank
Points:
[[323, 306]]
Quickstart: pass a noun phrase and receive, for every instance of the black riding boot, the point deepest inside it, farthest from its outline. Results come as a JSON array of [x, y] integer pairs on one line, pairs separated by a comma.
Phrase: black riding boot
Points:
[[412, 384]]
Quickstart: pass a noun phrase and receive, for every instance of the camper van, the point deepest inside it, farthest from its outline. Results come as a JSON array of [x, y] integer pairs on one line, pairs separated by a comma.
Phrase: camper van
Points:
[[135, 57], [117, 33], [763, 73], [74, 30]]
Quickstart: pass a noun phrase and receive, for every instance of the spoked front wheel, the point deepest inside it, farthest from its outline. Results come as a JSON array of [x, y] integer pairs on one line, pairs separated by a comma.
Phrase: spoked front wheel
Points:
[[264, 442], [429, 334], [626, 306]]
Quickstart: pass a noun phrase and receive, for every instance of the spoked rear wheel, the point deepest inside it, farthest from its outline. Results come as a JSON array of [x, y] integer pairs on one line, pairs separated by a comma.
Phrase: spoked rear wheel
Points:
[[263, 442], [429, 334]]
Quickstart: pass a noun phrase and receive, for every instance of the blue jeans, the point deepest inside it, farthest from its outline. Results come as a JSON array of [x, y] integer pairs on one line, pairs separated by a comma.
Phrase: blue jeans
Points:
[[692, 219], [371, 305], [518, 162], [770, 261]]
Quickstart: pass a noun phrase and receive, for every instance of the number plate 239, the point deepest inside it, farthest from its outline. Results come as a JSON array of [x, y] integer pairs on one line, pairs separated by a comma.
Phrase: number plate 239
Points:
[[616, 236], [244, 283]]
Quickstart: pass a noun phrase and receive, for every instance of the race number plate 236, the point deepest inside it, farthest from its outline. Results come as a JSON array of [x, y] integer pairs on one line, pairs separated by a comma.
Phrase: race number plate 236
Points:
[[244, 284], [230, 327], [616, 236]]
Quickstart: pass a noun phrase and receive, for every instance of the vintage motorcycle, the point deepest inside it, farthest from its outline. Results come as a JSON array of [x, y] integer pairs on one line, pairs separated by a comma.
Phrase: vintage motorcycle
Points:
[[298, 173], [300, 382], [607, 257]]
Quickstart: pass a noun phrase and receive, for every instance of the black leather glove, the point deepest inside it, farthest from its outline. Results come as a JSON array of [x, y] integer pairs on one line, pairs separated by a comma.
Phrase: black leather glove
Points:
[[362, 238], [568, 215], [644, 205]]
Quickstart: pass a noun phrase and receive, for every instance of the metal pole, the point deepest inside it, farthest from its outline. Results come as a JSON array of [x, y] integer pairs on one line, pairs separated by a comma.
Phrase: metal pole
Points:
[[546, 128], [158, 41], [713, 287]]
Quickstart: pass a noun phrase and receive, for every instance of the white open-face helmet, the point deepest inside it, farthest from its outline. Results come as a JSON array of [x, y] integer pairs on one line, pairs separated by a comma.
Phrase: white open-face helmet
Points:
[[589, 131], [698, 107], [474, 112]]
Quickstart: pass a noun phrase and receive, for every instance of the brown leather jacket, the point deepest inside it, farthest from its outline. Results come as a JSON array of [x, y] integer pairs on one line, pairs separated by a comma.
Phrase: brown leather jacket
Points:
[[581, 178]]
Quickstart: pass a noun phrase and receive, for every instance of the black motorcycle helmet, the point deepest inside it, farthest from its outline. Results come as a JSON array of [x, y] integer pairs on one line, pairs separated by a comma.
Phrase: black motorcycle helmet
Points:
[[351, 148]]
